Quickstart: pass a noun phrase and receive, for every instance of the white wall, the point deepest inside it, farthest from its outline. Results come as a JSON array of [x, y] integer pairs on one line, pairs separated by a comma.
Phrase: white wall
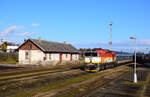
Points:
[[55, 57], [38, 55], [21, 56], [66, 57], [34, 56]]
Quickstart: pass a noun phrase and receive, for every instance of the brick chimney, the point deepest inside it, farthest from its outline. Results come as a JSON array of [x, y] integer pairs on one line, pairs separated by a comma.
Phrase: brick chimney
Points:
[[65, 42], [39, 39]]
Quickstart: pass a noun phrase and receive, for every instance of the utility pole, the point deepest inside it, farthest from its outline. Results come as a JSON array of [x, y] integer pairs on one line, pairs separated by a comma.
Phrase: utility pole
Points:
[[110, 43]]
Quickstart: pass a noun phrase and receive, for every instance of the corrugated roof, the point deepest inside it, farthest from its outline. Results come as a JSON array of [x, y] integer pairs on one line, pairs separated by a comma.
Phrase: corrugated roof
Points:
[[54, 46]]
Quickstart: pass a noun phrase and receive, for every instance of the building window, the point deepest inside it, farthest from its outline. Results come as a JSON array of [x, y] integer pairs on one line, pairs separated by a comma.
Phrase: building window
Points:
[[30, 47], [26, 55], [50, 56], [76, 56], [44, 58]]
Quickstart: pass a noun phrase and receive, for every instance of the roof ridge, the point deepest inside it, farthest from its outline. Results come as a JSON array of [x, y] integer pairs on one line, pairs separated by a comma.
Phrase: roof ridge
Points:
[[52, 42], [46, 45]]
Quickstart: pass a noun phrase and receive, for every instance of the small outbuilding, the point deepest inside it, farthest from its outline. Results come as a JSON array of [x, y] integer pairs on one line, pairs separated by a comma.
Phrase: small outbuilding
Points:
[[11, 48], [34, 51]]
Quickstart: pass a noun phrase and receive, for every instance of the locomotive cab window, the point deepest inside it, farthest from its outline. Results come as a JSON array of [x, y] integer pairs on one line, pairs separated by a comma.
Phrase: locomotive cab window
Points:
[[90, 54]]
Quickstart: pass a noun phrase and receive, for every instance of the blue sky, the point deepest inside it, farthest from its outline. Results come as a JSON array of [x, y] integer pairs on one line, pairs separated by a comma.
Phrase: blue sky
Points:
[[84, 23]]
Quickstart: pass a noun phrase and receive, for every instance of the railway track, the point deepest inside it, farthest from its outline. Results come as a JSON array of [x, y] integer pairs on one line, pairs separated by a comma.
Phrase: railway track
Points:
[[36, 74], [102, 77], [28, 74], [50, 80]]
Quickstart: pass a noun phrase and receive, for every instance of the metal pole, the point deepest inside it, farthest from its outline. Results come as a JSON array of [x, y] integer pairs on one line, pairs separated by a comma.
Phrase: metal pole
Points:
[[110, 36], [135, 76]]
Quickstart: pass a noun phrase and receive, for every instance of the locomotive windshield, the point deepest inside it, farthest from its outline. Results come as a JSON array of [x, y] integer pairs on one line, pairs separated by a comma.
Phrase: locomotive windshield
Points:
[[90, 54]]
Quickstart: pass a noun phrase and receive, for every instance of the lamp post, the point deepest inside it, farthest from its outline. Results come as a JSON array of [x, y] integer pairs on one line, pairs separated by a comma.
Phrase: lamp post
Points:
[[135, 76], [147, 50]]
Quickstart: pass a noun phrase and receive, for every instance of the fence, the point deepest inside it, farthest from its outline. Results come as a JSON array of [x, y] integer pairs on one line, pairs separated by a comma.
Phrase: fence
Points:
[[8, 57]]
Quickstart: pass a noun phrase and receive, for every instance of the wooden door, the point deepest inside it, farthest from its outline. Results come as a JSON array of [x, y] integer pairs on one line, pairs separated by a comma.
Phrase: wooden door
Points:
[[60, 57]]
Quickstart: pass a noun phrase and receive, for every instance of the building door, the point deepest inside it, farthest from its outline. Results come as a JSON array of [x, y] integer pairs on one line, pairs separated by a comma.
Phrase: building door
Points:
[[60, 57], [70, 57], [27, 57]]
